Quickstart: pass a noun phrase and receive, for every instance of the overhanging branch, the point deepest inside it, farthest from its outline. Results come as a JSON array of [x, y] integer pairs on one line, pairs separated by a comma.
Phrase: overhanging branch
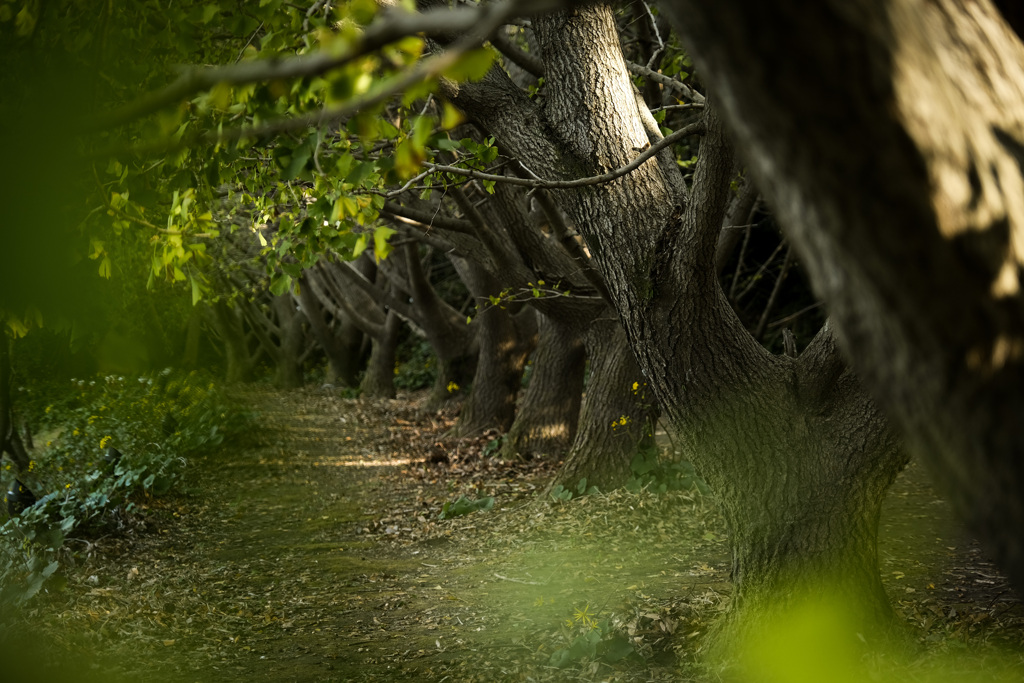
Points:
[[692, 129]]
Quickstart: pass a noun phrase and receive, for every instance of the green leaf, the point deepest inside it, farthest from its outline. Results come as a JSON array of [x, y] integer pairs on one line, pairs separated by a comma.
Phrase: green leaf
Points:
[[381, 246], [360, 246], [209, 12], [280, 284], [472, 66]]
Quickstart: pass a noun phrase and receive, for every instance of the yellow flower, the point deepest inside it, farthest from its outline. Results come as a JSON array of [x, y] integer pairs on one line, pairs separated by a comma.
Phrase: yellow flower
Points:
[[584, 617], [48, 408], [623, 420], [75, 433], [636, 387], [452, 387], [105, 440], [67, 486], [31, 465]]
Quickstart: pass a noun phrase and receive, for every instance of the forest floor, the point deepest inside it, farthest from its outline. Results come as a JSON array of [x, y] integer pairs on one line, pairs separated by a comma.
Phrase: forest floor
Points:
[[314, 552]]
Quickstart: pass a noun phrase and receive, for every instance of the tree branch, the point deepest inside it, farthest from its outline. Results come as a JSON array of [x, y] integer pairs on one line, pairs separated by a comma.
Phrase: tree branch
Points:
[[666, 81], [393, 25], [692, 129]]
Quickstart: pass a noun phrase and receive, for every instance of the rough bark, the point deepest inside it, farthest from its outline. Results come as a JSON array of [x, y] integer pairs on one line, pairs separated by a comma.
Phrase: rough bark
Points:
[[379, 379], [549, 410], [284, 340], [453, 341], [504, 343], [617, 416], [888, 135]]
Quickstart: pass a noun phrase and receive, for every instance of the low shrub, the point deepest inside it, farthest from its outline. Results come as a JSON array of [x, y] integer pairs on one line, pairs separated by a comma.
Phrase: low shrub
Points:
[[100, 447]]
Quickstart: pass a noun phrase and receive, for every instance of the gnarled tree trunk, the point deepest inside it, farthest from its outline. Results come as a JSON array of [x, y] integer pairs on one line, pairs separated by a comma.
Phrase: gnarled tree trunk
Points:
[[769, 434], [888, 136], [549, 410], [504, 341], [617, 417]]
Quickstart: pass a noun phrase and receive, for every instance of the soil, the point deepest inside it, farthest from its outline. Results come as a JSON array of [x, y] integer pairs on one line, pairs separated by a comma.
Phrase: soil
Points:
[[314, 551]]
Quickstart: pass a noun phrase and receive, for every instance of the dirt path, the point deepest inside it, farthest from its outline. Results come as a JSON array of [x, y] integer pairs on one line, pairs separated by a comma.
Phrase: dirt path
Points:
[[315, 554]]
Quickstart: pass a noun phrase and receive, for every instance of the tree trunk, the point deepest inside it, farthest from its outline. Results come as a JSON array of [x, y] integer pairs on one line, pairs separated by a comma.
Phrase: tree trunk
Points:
[[289, 347], [769, 434], [901, 188], [549, 410], [10, 441], [238, 359], [504, 341], [340, 342], [617, 415], [379, 379]]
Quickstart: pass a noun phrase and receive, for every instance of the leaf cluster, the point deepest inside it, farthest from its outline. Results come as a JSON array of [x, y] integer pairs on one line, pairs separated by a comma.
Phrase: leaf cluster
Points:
[[153, 422]]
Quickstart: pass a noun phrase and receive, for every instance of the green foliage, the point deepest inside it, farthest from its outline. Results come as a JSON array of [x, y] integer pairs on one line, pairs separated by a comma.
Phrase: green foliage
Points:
[[590, 640], [493, 446], [155, 422], [649, 471], [464, 506], [417, 367], [561, 494]]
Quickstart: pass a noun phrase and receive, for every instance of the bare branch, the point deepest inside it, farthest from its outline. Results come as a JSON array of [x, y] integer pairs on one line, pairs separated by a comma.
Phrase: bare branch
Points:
[[666, 81], [692, 129]]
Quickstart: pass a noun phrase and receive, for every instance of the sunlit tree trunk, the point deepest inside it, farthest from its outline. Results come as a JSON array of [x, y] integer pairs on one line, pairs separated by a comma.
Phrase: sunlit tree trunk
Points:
[[549, 410], [617, 417], [504, 342]]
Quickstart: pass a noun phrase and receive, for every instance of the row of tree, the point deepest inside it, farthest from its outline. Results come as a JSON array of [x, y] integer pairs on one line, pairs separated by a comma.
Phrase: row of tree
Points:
[[593, 196]]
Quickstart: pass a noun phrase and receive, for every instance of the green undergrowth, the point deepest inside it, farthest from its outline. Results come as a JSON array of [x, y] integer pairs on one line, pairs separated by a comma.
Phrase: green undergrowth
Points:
[[104, 445]]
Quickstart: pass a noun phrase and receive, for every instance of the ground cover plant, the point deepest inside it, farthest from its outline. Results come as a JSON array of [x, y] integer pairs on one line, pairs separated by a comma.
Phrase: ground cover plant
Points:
[[106, 446]]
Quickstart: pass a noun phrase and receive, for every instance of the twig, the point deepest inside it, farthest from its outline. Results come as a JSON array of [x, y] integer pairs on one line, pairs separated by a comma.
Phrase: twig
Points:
[[528, 583], [692, 129]]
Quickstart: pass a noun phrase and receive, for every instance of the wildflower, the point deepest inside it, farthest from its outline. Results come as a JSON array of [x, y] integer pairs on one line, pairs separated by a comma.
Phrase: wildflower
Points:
[[636, 387], [584, 618], [105, 440], [67, 486], [48, 409], [76, 433], [623, 420], [93, 418], [31, 465], [452, 387], [49, 443]]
